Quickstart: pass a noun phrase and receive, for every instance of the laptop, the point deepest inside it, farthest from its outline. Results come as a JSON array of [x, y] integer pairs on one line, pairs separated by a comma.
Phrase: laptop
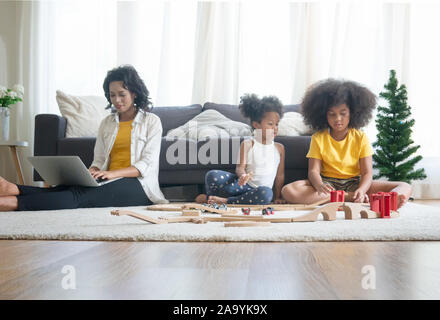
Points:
[[65, 170]]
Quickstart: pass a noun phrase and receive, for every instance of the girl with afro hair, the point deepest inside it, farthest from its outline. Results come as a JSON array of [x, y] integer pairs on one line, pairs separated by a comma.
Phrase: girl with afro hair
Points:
[[259, 174], [340, 155]]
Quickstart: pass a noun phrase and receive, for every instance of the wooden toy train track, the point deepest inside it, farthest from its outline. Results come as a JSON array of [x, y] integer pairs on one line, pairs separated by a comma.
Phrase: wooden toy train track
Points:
[[192, 214], [276, 207]]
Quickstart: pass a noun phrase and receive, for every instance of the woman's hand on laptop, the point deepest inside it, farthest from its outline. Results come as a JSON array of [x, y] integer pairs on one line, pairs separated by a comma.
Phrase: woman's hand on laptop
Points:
[[93, 170], [105, 175]]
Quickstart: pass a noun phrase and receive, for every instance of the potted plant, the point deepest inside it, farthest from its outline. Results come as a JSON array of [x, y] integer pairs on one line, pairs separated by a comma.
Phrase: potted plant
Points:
[[8, 97]]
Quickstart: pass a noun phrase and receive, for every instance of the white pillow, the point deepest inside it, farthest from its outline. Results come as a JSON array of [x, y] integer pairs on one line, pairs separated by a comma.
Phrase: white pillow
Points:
[[83, 113], [292, 124], [210, 124]]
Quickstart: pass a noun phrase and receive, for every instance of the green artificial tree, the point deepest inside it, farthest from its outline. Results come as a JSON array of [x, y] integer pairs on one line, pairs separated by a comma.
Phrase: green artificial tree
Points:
[[394, 145]]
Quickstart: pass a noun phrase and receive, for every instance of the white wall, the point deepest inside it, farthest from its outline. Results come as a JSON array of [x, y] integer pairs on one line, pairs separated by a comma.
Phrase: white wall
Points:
[[8, 74]]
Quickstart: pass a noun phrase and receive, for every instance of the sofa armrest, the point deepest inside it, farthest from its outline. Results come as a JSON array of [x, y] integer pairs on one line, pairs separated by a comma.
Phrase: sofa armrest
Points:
[[49, 128]]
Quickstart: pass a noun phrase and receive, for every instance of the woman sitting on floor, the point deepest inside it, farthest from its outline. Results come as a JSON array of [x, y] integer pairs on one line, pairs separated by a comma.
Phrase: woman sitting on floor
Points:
[[127, 147]]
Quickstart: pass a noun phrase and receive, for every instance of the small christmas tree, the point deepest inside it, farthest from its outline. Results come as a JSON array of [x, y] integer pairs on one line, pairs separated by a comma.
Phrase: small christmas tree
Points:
[[394, 145]]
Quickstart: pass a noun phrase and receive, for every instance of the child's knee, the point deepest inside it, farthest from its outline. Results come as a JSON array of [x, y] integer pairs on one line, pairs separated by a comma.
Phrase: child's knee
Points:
[[288, 190], [211, 176], [406, 186], [265, 195]]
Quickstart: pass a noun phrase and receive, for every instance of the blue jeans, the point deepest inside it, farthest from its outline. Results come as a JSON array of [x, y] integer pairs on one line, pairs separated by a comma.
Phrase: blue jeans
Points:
[[225, 184]]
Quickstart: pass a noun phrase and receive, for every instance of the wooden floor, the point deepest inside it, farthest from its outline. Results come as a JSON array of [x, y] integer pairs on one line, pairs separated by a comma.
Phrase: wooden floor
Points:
[[203, 270]]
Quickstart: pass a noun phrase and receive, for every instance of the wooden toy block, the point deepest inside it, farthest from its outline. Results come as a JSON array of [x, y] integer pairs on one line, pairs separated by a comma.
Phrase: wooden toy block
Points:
[[355, 211], [166, 207], [384, 203], [337, 196], [328, 211], [247, 224], [393, 201], [192, 213], [137, 215], [386, 206], [375, 203], [358, 211]]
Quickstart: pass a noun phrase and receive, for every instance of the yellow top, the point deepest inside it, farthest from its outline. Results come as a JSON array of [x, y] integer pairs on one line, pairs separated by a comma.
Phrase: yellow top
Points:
[[340, 159], [120, 154]]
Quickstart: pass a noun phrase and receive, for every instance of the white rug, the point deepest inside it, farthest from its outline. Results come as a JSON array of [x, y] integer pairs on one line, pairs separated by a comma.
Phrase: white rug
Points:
[[416, 222]]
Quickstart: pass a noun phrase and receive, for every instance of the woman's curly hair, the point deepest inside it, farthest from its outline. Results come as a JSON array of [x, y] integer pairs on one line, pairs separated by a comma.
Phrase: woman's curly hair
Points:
[[130, 81], [254, 108], [328, 93]]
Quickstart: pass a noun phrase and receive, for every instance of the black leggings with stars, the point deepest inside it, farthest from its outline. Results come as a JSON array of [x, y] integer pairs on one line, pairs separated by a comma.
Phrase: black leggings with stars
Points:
[[225, 184]]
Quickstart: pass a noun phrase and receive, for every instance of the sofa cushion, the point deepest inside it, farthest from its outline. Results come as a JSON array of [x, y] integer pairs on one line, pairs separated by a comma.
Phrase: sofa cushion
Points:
[[229, 110], [83, 113], [210, 124], [233, 112], [173, 117], [292, 124]]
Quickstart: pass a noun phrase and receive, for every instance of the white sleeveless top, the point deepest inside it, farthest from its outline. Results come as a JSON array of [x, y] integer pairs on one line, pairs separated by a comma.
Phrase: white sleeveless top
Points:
[[262, 161]]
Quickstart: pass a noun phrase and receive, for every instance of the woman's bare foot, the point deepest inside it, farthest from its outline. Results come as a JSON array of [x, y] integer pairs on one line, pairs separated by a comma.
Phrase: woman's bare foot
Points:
[[8, 188], [401, 200], [214, 199], [8, 203], [201, 198]]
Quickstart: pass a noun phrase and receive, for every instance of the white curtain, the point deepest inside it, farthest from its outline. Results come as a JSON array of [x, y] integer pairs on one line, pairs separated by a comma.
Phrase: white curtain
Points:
[[193, 52], [33, 68]]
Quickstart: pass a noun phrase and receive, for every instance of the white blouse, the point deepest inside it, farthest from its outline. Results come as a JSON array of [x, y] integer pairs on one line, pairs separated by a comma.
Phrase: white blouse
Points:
[[146, 138]]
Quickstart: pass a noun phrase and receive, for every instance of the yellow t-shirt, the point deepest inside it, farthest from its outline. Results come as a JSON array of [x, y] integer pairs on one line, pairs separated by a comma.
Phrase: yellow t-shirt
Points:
[[120, 154], [340, 159]]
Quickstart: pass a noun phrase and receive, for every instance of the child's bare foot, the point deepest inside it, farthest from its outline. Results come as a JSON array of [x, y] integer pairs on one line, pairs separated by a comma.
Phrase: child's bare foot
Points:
[[401, 200], [214, 199], [201, 198]]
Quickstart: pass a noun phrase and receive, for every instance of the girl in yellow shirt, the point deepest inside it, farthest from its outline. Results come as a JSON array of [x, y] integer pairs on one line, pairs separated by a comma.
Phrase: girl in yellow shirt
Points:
[[340, 155]]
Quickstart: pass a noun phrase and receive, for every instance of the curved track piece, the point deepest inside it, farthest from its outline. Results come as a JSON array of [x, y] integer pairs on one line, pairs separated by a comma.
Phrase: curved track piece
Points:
[[355, 211], [137, 216], [328, 212]]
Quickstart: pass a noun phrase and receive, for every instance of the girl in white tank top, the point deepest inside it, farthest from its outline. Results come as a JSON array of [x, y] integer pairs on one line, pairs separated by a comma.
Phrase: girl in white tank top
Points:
[[259, 174]]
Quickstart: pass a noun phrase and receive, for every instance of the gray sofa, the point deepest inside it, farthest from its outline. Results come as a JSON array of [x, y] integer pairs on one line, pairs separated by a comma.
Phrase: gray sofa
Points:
[[50, 131]]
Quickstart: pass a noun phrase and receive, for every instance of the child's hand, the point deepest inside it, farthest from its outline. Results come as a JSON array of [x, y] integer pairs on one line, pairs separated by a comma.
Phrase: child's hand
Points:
[[360, 196], [244, 178], [325, 188], [279, 201]]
